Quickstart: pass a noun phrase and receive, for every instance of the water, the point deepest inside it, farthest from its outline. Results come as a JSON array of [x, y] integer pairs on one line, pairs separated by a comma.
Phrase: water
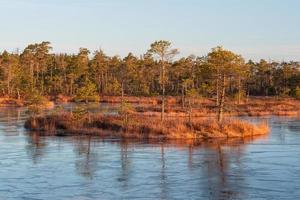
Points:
[[33, 167]]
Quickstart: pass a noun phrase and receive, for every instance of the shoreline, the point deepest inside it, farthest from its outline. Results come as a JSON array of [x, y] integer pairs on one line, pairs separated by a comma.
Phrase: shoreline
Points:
[[12, 102]]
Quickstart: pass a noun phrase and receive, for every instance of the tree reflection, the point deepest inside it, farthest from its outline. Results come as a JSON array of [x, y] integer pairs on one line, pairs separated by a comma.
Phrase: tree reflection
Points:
[[125, 164], [221, 169], [216, 167], [86, 163], [11, 120], [163, 176], [35, 146]]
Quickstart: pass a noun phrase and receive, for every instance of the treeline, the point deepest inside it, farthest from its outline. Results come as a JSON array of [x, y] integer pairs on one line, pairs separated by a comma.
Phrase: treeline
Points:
[[157, 72]]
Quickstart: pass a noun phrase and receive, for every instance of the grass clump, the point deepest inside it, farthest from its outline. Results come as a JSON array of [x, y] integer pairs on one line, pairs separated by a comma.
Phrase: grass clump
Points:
[[143, 127]]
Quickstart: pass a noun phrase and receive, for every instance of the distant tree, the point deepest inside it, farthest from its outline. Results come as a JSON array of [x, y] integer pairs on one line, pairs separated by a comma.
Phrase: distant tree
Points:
[[297, 92], [98, 69], [162, 49], [191, 94], [9, 66], [226, 64], [34, 98], [36, 69], [36, 57], [124, 111], [87, 93]]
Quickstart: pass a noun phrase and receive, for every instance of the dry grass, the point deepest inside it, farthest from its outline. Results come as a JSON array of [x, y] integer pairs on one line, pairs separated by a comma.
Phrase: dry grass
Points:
[[143, 127], [7, 101], [202, 107], [207, 107], [170, 100], [130, 99], [62, 99], [268, 106]]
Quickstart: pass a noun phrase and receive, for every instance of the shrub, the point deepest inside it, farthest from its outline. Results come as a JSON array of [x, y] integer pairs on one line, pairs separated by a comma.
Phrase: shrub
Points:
[[87, 93], [79, 113], [124, 111], [297, 92], [34, 98], [113, 87]]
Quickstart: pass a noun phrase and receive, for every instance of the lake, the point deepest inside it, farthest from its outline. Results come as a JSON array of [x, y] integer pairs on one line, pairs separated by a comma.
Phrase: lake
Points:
[[74, 168]]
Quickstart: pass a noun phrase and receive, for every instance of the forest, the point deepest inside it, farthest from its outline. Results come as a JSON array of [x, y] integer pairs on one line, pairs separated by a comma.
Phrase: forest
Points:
[[160, 71]]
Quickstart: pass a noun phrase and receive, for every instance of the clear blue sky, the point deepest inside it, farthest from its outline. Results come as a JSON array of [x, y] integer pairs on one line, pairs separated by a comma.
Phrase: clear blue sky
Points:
[[254, 28]]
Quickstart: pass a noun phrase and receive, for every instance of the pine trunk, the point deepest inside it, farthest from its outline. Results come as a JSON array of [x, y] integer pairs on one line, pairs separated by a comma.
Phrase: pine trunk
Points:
[[163, 93], [222, 100]]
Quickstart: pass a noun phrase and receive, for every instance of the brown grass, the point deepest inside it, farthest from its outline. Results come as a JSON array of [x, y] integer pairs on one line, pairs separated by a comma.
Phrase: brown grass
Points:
[[62, 99], [7, 101], [143, 127], [130, 99], [206, 107], [170, 100], [202, 107]]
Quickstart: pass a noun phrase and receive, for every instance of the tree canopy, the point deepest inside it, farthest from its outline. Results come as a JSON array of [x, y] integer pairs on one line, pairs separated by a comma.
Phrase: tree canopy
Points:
[[156, 72]]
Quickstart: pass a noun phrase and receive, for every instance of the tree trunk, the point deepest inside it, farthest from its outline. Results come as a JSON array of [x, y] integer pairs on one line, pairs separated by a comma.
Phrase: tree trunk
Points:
[[122, 97], [182, 97], [222, 100], [239, 92], [42, 82], [31, 76], [99, 84], [248, 93], [89, 117], [71, 87], [102, 82], [218, 92], [106, 82], [163, 93], [8, 80], [190, 112], [18, 92]]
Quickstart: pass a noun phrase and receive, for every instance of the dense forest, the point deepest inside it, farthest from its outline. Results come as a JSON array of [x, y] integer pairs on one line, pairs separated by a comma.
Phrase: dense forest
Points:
[[159, 71]]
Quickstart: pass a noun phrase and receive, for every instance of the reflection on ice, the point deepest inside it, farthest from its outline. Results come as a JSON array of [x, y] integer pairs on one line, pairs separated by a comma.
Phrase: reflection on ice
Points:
[[91, 168]]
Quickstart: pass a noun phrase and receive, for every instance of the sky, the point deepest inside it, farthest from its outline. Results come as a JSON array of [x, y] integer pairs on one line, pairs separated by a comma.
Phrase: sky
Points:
[[256, 29]]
